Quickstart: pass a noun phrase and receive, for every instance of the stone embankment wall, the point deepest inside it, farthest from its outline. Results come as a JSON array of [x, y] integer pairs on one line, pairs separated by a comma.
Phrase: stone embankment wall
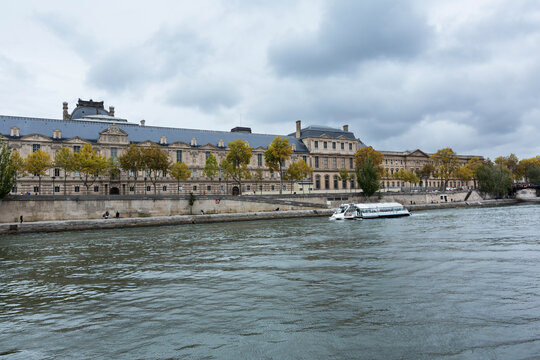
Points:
[[48, 208]]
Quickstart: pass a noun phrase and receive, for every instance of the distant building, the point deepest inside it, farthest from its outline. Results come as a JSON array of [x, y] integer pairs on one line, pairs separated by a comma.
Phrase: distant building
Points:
[[325, 149]]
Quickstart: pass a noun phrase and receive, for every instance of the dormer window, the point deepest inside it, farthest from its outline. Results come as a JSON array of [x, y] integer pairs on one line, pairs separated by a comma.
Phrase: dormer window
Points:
[[57, 134], [193, 141], [221, 143], [14, 131], [163, 140]]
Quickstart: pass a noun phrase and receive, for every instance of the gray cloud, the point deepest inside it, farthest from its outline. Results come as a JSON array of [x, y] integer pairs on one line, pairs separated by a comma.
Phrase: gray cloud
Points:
[[350, 33], [207, 95], [163, 56]]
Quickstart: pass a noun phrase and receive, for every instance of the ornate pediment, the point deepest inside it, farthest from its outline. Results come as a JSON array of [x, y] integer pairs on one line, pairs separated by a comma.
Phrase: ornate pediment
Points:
[[113, 135], [76, 140], [35, 137], [418, 152]]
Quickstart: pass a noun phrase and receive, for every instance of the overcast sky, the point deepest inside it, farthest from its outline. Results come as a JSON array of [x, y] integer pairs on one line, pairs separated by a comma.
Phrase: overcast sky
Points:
[[403, 75]]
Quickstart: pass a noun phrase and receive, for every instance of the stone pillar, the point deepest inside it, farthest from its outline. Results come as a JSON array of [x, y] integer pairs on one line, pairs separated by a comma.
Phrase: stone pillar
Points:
[[298, 128], [111, 110], [65, 114]]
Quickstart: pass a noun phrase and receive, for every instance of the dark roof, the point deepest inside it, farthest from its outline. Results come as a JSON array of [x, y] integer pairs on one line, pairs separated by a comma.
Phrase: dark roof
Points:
[[88, 108], [317, 131], [89, 130]]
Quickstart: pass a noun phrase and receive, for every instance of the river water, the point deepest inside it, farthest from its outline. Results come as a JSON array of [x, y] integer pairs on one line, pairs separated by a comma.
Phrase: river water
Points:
[[442, 284]]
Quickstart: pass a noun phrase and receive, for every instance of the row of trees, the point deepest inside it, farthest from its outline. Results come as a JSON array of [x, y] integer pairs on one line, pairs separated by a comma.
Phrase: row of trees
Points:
[[153, 161]]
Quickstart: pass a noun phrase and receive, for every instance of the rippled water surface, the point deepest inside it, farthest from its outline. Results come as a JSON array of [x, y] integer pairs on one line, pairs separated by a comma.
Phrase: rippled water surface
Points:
[[444, 284]]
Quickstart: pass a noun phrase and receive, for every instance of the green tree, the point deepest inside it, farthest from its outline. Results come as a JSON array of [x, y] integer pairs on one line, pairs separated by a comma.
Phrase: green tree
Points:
[[258, 175], [376, 158], [368, 177], [226, 168], [237, 160], [89, 165], [211, 167], [511, 162], [425, 172], [473, 164], [180, 172], [464, 174], [533, 174], [38, 163], [278, 152], [494, 179], [131, 161], [8, 170], [525, 164], [344, 176], [297, 171], [65, 160], [446, 163], [156, 163]]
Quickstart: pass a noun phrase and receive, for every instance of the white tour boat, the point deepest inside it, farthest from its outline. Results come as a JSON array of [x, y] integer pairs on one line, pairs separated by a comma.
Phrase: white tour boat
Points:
[[380, 210], [345, 211]]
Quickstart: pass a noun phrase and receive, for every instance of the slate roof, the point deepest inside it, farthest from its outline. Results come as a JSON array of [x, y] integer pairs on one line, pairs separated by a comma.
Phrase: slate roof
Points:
[[90, 129], [318, 131]]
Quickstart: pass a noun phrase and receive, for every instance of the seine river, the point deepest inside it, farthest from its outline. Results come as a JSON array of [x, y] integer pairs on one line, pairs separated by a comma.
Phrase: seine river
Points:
[[442, 284]]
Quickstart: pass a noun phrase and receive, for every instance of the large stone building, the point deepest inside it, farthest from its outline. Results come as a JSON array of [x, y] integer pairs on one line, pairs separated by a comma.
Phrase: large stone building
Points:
[[325, 149]]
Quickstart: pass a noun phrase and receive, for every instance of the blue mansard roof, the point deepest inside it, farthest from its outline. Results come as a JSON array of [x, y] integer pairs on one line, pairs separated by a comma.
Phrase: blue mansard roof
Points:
[[89, 130]]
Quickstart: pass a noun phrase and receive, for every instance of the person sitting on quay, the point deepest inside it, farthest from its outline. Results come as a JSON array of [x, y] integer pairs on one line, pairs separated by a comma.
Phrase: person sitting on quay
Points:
[[106, 215]]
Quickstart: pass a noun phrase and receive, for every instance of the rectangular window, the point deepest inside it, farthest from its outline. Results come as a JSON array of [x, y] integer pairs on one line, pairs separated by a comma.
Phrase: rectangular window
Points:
[[76, 148], [342, 146], [56, 172], [114, 153], [165, 188], [273, 187], [35, 147], [326, 163], [77, 189], [334, 145], [316, 162], [131, 173], [209, 188], [304, 158], [259, 160], [194, 187], [207, 154], [351, 164], [57, 189], [178, 155], [260, 187], [132, 188], [96, 188], [248, 187], [343, 163], [316, 145], [14, 189], [36, 189], [335, 163], [76, 173], [350, 146], [148, 188], [194, 174], [222, 187], [325, 145]]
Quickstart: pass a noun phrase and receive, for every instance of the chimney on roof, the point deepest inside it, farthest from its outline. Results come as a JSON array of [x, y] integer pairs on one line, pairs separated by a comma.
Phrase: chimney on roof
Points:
[[346, 128], [142, 122], [298, 128], [111, 111], [65, 114]]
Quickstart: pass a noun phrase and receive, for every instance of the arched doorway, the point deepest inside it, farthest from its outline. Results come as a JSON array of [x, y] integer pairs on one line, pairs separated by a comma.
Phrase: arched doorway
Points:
[[235, 191], [114, 191]]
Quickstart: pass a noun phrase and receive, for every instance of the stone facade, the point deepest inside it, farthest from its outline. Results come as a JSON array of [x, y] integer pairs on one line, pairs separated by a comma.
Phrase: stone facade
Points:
[[326, 150]]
